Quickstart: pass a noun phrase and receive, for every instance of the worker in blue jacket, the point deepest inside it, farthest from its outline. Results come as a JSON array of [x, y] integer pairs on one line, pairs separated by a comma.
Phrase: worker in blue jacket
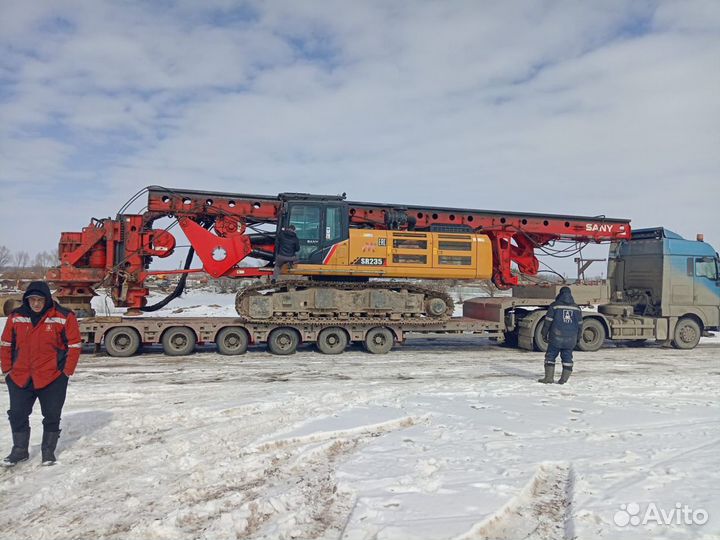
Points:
[[562, 328]]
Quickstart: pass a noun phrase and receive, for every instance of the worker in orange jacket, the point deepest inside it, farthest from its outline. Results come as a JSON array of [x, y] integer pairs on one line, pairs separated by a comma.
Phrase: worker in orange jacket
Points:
[[40, 348]]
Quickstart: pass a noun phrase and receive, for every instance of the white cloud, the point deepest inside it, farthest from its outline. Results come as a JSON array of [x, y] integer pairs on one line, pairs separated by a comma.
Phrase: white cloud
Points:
[[588, 108]]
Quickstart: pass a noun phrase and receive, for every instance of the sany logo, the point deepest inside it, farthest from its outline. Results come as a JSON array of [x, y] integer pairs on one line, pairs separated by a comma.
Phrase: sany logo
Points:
[[594, 227]]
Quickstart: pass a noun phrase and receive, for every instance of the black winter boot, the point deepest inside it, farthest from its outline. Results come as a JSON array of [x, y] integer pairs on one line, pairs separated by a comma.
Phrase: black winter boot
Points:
[[49, 443], [565, 376], [549, 374], [19, 452]]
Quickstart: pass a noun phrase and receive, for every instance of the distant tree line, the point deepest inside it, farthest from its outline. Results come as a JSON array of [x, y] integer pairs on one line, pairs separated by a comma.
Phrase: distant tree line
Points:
[[21, 261]]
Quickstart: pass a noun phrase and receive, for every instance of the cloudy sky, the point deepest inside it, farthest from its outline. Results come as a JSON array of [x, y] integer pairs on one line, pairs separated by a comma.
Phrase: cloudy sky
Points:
[[608, 107]]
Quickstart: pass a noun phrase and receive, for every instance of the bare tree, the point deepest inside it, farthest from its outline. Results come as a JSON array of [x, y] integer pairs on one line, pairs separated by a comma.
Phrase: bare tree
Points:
[[38, 261], [45, 260], [52, 258], [488, 287], [22, 259], [5, 256]]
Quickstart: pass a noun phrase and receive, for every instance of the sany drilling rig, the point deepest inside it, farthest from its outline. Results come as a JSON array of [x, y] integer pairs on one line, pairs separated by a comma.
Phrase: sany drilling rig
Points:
[[342, 243], [363, 272]]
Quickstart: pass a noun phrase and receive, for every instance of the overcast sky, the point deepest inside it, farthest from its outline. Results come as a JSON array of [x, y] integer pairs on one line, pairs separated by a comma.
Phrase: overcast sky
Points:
[[605, 107]]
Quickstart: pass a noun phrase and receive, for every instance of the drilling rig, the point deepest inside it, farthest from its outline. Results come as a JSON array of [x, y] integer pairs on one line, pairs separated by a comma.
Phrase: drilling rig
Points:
[[357, 260]]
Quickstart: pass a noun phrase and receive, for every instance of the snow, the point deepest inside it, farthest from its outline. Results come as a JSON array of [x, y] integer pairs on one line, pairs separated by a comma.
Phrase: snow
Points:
[[448, 438], [192, 303]]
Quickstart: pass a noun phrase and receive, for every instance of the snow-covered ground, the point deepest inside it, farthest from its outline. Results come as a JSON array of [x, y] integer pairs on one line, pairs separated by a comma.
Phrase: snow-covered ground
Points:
[[443, 438]]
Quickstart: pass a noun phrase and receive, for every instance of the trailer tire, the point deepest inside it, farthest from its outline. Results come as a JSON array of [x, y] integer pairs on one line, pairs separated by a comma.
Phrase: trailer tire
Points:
[[283, 341], [122, 341], [232, 340], [540, 343], [332, 340], [179, 341], [9, 305], [687, 334], [592, 335], [379, 340]]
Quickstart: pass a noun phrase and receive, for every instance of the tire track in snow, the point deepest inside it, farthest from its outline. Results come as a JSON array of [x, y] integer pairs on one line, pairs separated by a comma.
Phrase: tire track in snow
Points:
[[287, 489], [541, 511]]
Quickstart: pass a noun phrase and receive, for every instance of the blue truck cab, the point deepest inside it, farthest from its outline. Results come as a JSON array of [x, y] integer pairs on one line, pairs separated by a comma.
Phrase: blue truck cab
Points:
[[676, 282]]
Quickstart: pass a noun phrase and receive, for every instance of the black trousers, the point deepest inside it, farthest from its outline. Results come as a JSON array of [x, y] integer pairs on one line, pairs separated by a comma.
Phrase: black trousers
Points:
[[52, 399], [280, 261]]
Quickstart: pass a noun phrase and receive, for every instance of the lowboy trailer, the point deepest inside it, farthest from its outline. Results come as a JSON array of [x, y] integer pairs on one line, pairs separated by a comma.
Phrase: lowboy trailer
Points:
[[660, 287]]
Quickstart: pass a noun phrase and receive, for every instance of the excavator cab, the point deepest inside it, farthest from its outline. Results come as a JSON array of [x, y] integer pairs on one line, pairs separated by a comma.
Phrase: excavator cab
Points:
[[320, 222]]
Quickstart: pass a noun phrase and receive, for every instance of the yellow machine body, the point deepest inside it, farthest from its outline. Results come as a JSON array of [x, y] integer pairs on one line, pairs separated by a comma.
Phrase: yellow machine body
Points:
[[404, 254]]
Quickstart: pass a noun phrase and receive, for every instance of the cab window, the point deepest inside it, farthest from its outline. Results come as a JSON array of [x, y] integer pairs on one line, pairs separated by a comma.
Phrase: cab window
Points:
[[333, 224], [706, 267], [306, 220]]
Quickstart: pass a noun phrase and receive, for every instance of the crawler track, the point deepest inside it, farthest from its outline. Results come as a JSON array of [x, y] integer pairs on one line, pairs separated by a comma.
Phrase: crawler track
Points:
[[320, 302]]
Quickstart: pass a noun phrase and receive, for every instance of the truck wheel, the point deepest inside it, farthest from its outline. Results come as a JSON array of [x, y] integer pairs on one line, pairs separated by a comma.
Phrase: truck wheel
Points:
[[332, 340], [687, 334], [379, 340], [539, 341], [283, 340], [179, 341], [592, 336], [232, 340], [122, 341]]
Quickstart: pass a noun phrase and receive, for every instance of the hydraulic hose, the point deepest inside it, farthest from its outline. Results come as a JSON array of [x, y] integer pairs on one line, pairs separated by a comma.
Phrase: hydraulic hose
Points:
[[179, 288]]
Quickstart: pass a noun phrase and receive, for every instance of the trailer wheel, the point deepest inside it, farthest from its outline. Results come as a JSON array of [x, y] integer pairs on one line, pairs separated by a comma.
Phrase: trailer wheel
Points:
[[283, 340], [122, 341], [592, 336], [179, 341], [540, 343], [332, 340], [687, 334], [232, 340], [379, 340], [9, 305]]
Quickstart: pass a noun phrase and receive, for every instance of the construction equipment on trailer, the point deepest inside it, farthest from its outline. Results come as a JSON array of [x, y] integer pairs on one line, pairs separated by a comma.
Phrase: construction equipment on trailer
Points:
[[341, 241], [660, 286]]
